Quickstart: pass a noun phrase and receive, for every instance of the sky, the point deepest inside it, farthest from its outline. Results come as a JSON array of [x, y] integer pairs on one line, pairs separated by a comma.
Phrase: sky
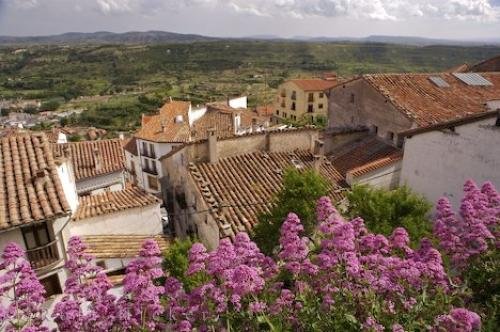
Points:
[[452, 19]]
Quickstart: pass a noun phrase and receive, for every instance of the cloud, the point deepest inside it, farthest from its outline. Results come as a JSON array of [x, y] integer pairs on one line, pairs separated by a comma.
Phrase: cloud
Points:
[[392, 10], [22, 4]]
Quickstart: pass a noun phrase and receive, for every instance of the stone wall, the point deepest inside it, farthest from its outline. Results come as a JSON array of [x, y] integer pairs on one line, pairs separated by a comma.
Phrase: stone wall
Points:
[[356, 103]]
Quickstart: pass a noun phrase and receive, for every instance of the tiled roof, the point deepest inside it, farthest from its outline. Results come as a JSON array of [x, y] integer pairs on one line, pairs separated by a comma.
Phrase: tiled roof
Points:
[[131, 146], [163, 127], [314, 84], [93, 158], [247, 184], [492, 64], [114, 201], [364, 155], [30, 188], [426, 103], [221, 121], [120, 246]]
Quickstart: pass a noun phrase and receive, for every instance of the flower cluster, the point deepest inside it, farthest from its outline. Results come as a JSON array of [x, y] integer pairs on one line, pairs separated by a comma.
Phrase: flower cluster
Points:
[[475, 229], [352, 279], [22, 309], [86, 306]]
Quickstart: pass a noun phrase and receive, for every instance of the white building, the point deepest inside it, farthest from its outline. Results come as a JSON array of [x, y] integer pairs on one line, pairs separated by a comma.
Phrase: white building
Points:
[[98, 165], [114, 224], [37, 199], [176, 124], [439, 159]]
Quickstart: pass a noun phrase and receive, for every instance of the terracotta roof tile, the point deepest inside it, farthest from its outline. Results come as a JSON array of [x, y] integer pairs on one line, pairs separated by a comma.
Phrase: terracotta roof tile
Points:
[[426, 103], [221, 121], [247, 183], [120, 246], [162, 127], [364, 155], [110, 202], [315, 84], [30, 188], [93, 158]]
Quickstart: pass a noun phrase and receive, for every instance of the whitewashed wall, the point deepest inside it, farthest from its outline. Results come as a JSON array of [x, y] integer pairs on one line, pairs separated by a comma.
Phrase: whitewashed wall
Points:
[[385, 177], [437, 163], [138, 221], [65, 173], [240, 102]]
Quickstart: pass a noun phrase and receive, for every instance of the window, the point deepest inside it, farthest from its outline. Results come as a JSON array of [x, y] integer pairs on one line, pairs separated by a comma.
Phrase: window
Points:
[[153, 166], [284, 115], [152, 182], [277, 112], [320, 106], [497, 123], [374, 129], [293, 106], [310, 108], [36, 235], [389, 136], [310, 97], [321, 94], [144, 148], [283, 93], [152, 151], [352, 97], [294, 95]]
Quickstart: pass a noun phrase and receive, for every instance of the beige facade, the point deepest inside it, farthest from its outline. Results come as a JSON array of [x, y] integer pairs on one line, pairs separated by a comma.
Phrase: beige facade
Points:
[[296, 101]]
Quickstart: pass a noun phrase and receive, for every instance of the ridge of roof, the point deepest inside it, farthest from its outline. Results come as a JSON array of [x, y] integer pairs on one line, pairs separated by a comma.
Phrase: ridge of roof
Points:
[[111, 202]]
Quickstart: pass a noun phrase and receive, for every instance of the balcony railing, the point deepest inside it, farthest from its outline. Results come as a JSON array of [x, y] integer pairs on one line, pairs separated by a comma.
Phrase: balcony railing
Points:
[[149, 170], [149, 154], [43, 256]]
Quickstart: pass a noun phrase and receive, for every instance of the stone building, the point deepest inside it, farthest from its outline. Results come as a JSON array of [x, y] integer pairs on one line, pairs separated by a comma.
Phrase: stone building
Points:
[[303, 99], [389, 104], [217, 187]]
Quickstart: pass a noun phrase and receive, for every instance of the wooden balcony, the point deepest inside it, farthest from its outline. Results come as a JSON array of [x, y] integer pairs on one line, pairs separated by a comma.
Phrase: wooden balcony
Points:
[[43, 256]]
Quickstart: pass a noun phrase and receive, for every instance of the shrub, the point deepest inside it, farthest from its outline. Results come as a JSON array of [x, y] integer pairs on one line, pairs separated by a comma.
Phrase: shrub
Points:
[[384, 210]]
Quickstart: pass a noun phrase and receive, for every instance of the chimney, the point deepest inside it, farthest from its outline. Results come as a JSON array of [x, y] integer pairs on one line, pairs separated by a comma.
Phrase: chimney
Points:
[[170, 98], [163, 126], [97, 159], [318, 160], [319, 147], [212, 146]]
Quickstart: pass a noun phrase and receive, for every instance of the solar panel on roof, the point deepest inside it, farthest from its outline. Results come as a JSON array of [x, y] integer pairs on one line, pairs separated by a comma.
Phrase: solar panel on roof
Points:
[[439, 81], [473, 79]]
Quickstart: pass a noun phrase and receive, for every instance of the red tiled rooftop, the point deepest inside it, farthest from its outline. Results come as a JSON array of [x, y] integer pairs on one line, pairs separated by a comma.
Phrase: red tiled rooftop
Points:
[[424, 102], [30, 188], [93, 158], [239, 188], [314, 84], [364, 155], [110, 202]]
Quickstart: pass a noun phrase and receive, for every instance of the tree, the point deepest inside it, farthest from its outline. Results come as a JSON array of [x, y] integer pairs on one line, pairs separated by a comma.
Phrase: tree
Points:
[[50, 105], [384, 210], [299, 194]]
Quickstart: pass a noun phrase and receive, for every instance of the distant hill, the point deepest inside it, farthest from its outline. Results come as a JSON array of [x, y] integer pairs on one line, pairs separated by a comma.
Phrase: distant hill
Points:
[[402, 40], [161, 37], [105, 37]]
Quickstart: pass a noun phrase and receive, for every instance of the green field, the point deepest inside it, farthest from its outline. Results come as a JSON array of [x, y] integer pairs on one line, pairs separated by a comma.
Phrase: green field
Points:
[[200, 72]]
